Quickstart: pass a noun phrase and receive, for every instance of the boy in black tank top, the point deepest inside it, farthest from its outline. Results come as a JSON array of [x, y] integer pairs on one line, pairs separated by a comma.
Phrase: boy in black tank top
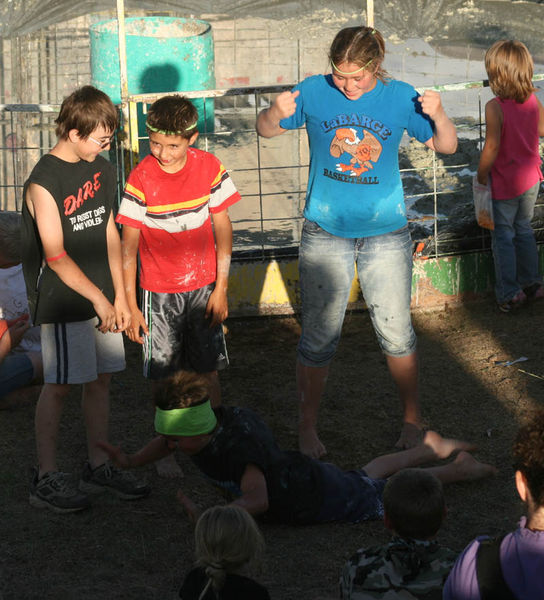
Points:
[[72, 267]]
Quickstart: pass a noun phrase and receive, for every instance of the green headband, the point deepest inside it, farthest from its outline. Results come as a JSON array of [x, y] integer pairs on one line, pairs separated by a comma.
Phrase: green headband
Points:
[[166, 132], [351, 72], [193, 420]]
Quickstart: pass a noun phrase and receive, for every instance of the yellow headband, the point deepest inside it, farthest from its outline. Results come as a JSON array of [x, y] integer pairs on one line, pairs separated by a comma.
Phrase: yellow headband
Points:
[[351, 72]]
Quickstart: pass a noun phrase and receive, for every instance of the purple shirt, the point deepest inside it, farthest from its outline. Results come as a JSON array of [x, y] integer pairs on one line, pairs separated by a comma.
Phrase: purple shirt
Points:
[[522, 561]]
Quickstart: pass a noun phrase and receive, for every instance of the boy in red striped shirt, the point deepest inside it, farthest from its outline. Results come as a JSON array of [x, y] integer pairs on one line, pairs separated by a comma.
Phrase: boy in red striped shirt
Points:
[[171, 200]]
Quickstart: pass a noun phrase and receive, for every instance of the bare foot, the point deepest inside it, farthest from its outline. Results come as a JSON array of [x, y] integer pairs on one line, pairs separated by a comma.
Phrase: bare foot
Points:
[[444, 447], [469, 468], [410, 436], [310, 444], [168, 467]]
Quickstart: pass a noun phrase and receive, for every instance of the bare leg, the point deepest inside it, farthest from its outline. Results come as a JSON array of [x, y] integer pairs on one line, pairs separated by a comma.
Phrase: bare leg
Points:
[[37, 366], [433, 447], [95, 404], [310, 387], [405, 373], [47, 420], [167, 467], [464, 468]]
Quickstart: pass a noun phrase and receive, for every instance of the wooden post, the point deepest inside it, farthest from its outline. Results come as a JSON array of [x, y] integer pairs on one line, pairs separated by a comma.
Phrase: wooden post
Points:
[[370, 13]]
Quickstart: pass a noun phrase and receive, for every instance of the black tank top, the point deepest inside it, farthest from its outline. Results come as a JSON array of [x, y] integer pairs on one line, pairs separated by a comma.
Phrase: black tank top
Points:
[[84, 193]]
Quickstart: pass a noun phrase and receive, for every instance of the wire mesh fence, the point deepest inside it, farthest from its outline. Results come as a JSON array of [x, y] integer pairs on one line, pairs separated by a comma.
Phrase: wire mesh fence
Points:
[[271, 173]]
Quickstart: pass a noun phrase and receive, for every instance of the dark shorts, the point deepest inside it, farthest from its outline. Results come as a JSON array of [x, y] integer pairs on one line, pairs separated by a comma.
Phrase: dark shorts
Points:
[[350, 496], [16, 371], [180, 336]]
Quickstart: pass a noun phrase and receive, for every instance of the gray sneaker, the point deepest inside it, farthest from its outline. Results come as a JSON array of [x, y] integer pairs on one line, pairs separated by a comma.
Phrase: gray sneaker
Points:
[[56, 491], [108, 477]]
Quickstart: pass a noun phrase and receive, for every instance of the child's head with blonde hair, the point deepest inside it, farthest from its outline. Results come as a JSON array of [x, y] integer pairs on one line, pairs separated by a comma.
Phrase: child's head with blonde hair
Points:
[[509, 66], [227, 540]]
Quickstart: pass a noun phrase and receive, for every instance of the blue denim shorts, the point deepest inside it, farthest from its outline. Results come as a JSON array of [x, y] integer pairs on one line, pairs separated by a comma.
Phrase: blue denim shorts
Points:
[[327, 266], [350, 496]]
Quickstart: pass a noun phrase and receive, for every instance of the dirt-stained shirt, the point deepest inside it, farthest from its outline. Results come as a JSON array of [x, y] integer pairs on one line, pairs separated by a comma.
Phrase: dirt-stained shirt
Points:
[[172, 212]]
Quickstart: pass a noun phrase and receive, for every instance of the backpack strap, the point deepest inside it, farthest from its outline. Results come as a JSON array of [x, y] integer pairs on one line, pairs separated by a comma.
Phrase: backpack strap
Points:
[[489, 571]]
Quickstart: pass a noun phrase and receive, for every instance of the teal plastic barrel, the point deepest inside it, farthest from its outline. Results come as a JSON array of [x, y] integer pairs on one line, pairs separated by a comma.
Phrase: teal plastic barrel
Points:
[[164, 54]]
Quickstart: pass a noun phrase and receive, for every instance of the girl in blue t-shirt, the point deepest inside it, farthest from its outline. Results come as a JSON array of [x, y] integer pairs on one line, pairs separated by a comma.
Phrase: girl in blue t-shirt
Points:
[[354, 213]]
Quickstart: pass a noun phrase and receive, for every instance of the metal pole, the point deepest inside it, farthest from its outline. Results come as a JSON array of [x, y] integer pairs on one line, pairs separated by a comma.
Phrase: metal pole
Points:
[[122, 51], [370, 13]]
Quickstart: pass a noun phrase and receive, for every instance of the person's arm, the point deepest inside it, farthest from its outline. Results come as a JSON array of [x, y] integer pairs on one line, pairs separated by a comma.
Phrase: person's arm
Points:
[[12, 336], [129, 245], [217, 307], [44, 210], [493, 126], [540, 118], [268, 120], [151, 452], [254, 496], [444, 139], [122, 312]]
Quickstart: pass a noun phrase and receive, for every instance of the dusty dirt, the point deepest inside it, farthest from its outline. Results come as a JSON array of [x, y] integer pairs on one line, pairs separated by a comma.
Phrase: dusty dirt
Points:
[[142, 549]]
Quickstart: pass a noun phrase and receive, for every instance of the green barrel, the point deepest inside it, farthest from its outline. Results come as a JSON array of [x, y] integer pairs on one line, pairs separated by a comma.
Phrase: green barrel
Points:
[[164, 54]]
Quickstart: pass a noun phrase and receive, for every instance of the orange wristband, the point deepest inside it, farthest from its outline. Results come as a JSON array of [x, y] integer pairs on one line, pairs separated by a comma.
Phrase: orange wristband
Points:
[[61, 255]]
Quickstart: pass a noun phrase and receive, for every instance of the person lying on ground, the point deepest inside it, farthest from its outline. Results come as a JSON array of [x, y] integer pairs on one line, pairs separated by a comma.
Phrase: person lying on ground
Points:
[[234, 448]]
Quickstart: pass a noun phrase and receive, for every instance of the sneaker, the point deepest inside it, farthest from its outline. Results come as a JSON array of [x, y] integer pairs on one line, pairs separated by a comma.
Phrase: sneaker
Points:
[[56, 491], [535, 291], [108, 477], [519, 299]]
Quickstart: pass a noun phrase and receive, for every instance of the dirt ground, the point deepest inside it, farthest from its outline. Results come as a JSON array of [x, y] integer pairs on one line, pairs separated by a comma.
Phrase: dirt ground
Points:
[[142, 549]]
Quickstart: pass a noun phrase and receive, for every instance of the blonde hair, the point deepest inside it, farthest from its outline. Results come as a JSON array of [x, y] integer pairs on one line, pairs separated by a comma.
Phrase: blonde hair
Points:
[[360, 46], [10, 236], [509, 67], [227, 540]]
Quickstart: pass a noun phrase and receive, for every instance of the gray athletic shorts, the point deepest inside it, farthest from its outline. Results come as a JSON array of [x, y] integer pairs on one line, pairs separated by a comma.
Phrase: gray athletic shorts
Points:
[[180, 336], [77, 352]]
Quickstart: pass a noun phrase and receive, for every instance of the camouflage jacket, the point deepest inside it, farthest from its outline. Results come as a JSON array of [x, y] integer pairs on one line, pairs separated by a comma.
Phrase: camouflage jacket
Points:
[[401, 570]]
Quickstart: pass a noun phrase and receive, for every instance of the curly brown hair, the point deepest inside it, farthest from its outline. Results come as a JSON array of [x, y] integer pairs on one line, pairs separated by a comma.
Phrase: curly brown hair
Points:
[[174, 114], [181, 390], [528, 451]]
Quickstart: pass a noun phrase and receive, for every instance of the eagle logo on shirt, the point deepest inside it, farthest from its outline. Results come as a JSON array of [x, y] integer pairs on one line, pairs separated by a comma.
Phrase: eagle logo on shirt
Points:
[[361, 152]]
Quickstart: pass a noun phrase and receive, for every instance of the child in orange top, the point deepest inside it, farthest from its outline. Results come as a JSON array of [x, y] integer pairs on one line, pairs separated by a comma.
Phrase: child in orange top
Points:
[[510, 158]]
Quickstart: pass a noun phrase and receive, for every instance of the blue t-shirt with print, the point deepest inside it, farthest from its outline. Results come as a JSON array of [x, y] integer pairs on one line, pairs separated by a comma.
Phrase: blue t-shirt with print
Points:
[[354, 185]]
